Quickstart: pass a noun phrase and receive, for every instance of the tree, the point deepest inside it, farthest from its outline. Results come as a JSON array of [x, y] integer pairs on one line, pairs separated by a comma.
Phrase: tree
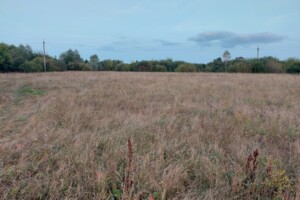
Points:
[[169, 64], [292, 66], [226, 58], [94, 62], [4, 57], [186, 68], [273, 66], [159, 68], [215, 66], [35, 65], [72, 59], [107, 65], [240, 67], [19, 56], [55, 65], [257, 66]]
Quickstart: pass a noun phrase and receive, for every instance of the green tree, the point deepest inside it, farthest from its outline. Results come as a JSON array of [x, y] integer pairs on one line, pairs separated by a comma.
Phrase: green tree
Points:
[[35, 65], [144, 66], [19, 56], [107, 65], [159, 68], [55, 65], [215, 66], [72, 59], [257, 66], [240, 67], [5, 60], [186, 68], [292, 66], [169, 64]]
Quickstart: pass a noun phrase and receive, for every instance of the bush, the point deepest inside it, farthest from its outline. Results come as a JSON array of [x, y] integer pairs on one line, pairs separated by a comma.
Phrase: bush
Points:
[[269, 183], [258, 67], [292, 66], [35, 65], [274, 67], [159, 68], [240, 67], [186, 68], [55, 65], [78, 66], [4, 58]]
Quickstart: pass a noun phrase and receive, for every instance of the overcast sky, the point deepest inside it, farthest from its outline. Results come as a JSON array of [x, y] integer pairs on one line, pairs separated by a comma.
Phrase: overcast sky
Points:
[[189, 30]]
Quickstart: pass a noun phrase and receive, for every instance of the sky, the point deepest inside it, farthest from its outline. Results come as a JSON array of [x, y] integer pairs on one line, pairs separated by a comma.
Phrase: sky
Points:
[[190, 30]]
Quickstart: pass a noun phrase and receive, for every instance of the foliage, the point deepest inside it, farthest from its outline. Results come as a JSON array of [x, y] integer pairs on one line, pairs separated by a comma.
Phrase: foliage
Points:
[[292, 66], [71, 57], [265, 183], [22, 59], [94, 62], [159, 68], [35, 65], [55, 65], [78, 66], [186, 68], [240, 67], [257, 66], [110, 65], [216, 66], [169, 64], [273, 66]]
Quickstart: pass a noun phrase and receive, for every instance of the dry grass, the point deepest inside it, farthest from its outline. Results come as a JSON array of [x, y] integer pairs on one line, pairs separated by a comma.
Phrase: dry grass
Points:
[[64, 135]]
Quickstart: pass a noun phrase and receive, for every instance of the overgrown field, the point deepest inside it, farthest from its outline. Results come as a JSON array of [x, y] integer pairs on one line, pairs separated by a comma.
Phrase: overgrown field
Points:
[[105, 135]]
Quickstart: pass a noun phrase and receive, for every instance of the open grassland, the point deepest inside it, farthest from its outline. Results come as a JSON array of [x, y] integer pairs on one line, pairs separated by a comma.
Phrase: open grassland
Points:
[[189, 136]]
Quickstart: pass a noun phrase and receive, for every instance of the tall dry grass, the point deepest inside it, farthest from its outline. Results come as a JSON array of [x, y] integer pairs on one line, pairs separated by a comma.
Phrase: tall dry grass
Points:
[[65, 135]]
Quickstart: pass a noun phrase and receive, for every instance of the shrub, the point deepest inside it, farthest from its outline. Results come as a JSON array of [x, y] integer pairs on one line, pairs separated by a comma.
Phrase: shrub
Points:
[[55, 65], [265, 183], [292, 66], [78, 66], [35, 65], [186, 68], [258, 67], [274, 67], [240, 66], [159, 68]]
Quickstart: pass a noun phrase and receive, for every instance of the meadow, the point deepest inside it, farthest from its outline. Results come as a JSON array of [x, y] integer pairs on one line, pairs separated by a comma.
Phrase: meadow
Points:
[[122, 135]]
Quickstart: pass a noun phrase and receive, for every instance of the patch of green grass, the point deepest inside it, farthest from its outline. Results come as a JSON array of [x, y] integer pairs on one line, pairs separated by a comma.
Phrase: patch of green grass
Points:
[[26, 91], [293, 134], [22, 118]]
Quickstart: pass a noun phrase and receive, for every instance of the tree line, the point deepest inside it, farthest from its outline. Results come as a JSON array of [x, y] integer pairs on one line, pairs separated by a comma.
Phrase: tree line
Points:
[[22, 59]]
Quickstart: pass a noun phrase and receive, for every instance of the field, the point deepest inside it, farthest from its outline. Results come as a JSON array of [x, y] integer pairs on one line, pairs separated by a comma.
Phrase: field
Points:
[[109, 135]]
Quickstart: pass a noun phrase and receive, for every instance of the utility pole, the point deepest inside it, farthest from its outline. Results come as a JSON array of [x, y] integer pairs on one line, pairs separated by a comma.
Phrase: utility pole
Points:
[[44, 55], [257, 52]]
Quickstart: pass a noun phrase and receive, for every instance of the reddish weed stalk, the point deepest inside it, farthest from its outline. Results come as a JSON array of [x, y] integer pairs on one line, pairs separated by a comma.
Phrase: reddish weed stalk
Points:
[[128, 181], [251, 172]]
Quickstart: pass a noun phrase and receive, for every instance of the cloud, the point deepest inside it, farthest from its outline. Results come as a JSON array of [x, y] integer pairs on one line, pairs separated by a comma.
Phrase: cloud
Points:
[[167, 43], [230, 39], [120, 44], [111, 48], [124, 44]]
